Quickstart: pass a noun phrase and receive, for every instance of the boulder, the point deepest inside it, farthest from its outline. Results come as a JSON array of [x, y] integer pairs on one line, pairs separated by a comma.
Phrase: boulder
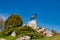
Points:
[[48, 33], [2, 39], [13, 34], [32, 24], [24, 38], [40, 31]]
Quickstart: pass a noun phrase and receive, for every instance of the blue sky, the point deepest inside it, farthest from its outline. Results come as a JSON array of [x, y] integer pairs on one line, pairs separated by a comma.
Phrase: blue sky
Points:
[[48, 11]]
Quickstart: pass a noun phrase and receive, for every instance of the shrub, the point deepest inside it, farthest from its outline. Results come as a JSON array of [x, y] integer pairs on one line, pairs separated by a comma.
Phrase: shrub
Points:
[[6, 32], [10, 24], [26, 30], [13, 21]]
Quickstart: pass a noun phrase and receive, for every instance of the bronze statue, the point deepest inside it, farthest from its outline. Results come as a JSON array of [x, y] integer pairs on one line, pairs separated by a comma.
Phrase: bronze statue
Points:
[[34, 16]]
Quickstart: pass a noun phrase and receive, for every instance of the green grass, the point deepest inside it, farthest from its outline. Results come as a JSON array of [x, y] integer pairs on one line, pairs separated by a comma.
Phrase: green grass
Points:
[[50, 38], [9, 38], [47, 38]]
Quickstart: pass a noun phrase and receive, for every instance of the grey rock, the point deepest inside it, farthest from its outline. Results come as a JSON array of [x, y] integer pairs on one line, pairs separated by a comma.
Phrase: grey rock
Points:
[[24, 38]]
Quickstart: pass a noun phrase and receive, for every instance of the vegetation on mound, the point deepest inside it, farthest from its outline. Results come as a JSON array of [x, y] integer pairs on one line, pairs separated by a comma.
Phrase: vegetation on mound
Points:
[[26, 30], [21, 31], [14, 23]]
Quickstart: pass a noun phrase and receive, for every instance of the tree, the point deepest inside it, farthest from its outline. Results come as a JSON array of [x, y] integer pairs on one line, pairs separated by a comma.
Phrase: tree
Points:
[[13, 21]]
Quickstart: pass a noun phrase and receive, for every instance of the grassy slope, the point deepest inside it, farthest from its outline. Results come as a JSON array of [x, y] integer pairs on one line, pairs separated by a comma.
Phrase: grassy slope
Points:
[[8, 38], [50, 38]]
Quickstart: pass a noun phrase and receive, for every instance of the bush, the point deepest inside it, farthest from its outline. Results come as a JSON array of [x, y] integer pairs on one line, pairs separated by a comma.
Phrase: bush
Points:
[[26, 30], [10, 24], [6, 32], [13, 21]]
